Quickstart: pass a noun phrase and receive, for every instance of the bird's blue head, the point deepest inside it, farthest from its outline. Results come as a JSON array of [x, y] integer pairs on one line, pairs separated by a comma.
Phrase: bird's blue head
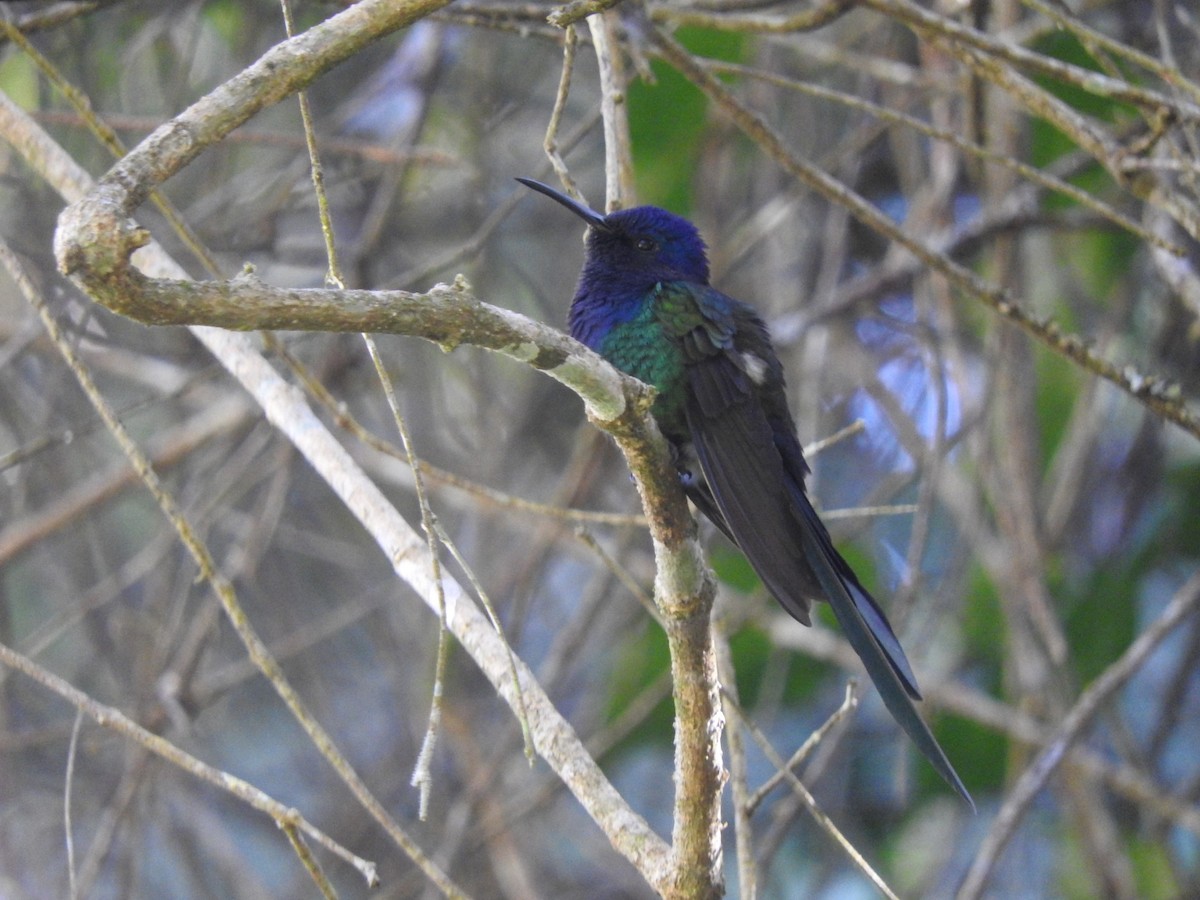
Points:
[[637, 247]]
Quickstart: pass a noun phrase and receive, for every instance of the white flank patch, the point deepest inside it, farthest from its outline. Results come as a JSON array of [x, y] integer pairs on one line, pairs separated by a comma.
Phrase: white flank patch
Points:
[[755, 367]]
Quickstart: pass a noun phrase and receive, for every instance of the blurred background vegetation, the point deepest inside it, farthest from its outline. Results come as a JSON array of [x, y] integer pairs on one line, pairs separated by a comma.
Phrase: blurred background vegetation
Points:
[[1021, 520]]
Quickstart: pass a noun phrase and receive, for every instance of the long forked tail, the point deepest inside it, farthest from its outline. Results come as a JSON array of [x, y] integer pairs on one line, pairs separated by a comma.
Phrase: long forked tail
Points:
[[872, 639]]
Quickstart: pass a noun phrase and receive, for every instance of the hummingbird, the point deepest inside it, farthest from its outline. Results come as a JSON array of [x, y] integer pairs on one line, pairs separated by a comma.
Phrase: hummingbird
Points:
[[644, 303]]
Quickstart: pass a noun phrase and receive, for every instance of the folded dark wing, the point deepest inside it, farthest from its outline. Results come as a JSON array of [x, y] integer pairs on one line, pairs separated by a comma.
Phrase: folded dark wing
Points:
[[745, 476], [756, 478]]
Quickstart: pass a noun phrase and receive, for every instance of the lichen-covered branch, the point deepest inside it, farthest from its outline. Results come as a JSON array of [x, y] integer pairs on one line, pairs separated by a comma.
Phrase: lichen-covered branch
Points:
[[608, 394], [96, 240]]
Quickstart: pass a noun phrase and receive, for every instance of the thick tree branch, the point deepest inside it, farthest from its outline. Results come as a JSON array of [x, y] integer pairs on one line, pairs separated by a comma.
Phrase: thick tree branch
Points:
[[684, 589]]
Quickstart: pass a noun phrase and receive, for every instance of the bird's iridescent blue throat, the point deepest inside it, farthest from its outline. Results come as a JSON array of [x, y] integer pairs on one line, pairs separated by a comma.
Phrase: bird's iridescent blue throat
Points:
[[644, 303]]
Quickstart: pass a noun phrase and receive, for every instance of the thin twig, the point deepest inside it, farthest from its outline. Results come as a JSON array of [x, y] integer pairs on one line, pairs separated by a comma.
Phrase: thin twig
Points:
[[550, 142], [849, 704], [68, 791], [422, 776], [565, 16], [490, 609], [618, 152], [333, 275], [110, 717], [953, 33], [300, 848], [810, 804], [108, 138], [221, 586], [620, 573], [805, 20], [1032, 173], [742, 810], [870, 512]]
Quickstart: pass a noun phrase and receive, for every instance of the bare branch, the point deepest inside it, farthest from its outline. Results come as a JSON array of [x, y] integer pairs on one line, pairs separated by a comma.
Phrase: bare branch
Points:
[[285, 407], [1090, 702], [109, 717], [1160, 396]]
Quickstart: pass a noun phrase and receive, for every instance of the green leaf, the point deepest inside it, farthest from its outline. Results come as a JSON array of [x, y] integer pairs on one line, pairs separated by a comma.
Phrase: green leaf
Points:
[[668, 118], [228, 18], [19, 79], [983, 621], [1182, 492], [755, 657], [1102, 260], [1047, 142], [1064, 46], [1107, 597], [978, 752], [732, 568], [1153, 871], [636, 664], [1058, 384]]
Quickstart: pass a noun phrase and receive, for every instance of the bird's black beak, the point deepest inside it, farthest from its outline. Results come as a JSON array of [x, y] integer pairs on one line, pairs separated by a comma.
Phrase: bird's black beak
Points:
[[589, 215]]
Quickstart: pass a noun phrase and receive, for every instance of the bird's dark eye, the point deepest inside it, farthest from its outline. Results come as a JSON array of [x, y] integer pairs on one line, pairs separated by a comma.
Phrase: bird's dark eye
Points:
[[647, 245]]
